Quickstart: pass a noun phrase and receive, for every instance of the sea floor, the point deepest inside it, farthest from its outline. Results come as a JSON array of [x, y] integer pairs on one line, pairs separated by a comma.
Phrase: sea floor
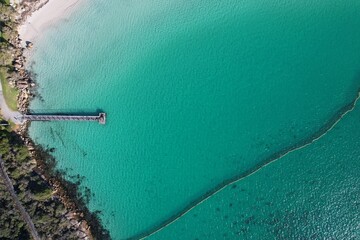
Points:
[[200, 92]]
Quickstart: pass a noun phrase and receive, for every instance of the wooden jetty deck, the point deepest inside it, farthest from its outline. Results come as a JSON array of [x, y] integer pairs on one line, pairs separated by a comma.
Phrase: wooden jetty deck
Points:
[[101, 118]]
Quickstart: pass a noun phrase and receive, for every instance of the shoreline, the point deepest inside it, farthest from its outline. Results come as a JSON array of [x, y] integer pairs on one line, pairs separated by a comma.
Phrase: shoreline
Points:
[[48, 14], [27, 18]]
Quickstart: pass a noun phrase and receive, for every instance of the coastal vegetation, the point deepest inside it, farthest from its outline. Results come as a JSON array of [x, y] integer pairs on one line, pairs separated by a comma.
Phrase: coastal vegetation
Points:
[[7, 2], [15, 79], [7, 34], [7, 48], [46, 211], [56, 207]]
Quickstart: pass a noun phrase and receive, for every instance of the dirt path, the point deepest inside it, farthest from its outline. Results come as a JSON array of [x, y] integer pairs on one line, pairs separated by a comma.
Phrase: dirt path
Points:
[[25, 216]]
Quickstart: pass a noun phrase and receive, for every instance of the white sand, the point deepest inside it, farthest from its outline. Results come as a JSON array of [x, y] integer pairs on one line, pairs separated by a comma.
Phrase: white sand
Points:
[[52, 13]]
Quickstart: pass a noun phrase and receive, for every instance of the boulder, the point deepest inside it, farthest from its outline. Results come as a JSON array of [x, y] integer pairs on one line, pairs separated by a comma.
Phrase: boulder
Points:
[[17, 65], [29, 44]]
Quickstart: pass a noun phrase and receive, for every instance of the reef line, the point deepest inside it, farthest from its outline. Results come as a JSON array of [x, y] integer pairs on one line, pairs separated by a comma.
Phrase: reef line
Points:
[[328, 126]]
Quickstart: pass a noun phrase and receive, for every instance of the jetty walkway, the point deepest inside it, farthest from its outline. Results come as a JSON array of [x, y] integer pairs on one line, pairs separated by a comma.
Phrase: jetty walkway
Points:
[[101, 118]]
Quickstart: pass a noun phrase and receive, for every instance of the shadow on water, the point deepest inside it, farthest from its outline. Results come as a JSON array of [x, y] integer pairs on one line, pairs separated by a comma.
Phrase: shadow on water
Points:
[[322, 131]]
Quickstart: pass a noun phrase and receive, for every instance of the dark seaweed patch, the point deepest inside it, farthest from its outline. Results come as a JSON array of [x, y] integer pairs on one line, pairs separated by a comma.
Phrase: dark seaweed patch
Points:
[[249, 220]]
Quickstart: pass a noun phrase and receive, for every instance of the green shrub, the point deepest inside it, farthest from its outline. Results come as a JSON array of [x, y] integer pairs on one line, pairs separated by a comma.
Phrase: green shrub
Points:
[[22, 153], [43, 195]]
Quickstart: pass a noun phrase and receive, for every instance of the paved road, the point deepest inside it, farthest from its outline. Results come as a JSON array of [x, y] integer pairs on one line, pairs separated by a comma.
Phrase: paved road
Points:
[[25, 216]]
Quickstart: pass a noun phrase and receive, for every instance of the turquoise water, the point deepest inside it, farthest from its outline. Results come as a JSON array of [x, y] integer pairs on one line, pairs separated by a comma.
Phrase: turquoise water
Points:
[[196, 93], [310, 194]]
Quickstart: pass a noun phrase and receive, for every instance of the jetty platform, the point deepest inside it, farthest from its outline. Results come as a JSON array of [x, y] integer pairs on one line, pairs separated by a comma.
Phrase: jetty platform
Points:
[[101, 118]]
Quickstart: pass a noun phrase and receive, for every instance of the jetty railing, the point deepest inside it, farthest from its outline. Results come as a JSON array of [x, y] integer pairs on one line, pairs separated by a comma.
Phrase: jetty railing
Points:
[[101, 118]]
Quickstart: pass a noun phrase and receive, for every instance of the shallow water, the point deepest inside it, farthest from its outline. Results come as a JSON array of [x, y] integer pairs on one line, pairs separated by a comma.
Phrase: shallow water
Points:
[[195, 93]]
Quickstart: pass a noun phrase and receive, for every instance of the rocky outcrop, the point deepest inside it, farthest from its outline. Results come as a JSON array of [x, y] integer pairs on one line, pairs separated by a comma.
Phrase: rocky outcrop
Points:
[[77, 215], [18, 76], [27, 7], [74, 222], [35, 202]]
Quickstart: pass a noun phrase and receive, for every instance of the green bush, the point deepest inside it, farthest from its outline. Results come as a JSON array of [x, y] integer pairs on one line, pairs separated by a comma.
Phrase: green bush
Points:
[[16, 174], [22, 153], [43, 195]]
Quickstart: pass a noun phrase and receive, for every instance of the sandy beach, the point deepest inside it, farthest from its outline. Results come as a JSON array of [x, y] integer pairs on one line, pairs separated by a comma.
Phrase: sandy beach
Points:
[[46, 17]]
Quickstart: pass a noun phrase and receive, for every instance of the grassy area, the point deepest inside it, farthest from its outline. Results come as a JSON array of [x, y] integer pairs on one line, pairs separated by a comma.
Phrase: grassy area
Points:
[[7, 2], [10, 94]]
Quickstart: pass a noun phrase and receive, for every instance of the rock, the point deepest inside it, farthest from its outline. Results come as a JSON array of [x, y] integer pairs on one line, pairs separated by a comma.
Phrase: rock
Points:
[[29, 44], [73, 222], [82, 235], [24, 81], [17, 65], [12, 83]]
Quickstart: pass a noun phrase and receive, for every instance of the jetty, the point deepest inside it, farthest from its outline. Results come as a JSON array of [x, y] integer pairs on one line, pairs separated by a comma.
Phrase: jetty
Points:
[[101, 118]]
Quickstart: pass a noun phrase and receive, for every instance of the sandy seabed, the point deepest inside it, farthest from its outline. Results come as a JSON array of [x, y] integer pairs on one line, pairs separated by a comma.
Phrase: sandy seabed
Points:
[[46, 17]]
